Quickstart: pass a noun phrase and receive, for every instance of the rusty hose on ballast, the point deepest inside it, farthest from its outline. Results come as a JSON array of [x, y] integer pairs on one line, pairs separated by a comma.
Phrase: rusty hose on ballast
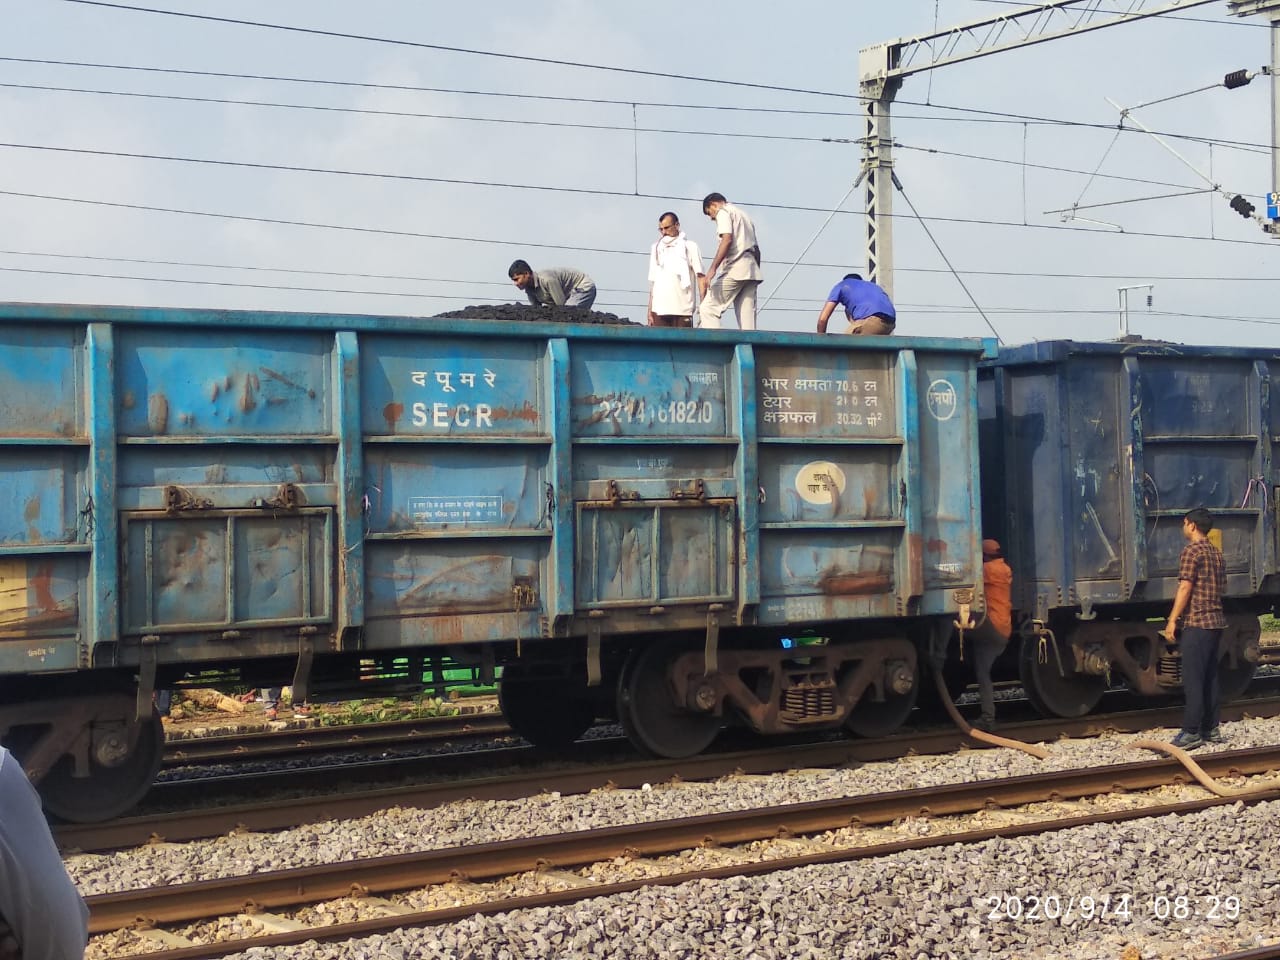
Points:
[[981, 735], [1193, 768]]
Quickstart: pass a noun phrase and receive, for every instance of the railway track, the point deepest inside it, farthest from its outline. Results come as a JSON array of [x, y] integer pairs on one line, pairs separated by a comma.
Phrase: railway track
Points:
[[594, 772], [364, 737], [253, 898]]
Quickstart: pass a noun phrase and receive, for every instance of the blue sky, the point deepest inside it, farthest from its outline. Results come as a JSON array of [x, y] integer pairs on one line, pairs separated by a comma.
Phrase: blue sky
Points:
[[588, 191]]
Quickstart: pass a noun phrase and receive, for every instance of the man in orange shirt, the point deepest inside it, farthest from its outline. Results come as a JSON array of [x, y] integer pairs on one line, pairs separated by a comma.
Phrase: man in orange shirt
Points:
[[992, 635]]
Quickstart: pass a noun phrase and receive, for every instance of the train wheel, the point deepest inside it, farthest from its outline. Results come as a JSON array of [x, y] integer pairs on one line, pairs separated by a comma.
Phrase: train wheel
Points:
[[1051, 693], [549, 712], [1234, 681], [652, 720], [111, 789], [872, 718]]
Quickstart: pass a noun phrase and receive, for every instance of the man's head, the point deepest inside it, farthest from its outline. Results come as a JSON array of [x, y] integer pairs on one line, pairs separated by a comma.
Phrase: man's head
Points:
[[712, 203], [521, 274], [990, 548], [669, 225], [853, 276], [1199, 520]]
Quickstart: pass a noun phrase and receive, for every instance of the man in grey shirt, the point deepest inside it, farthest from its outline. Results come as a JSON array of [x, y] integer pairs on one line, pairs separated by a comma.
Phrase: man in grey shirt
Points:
[[554, 287], [39, 905]]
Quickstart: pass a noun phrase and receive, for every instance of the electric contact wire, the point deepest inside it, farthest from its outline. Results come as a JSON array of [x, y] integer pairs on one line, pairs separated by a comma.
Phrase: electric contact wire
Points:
[[411, 177], [982, 115], [555, 246], [204, 264]]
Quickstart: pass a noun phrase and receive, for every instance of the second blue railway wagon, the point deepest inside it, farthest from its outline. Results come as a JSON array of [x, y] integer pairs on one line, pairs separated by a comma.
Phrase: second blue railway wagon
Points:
[[1092, 454], [676, 528]]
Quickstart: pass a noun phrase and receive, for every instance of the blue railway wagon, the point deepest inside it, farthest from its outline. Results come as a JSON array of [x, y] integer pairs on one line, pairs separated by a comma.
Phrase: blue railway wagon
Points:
[[1093, 454], [677, 528]]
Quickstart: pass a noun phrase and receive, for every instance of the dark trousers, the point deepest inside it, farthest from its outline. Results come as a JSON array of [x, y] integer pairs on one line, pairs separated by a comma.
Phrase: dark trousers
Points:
[[1199, 678], [987, 644]]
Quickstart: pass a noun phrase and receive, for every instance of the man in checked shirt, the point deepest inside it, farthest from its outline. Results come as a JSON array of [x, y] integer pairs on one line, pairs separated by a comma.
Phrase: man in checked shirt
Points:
[[1202, 580]]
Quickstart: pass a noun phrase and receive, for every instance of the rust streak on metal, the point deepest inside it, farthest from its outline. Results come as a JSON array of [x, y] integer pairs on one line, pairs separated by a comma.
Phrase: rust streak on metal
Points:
[[528, 413], [281, 378], [42, 586], [391, 413], [854, 584], [936, 546], [31, 513], [248, 402], [158, 412]]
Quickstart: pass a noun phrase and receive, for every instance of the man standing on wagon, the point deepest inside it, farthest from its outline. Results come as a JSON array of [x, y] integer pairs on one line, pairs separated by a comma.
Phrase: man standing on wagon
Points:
[[675, 266], [1202, 580], [738, 260]]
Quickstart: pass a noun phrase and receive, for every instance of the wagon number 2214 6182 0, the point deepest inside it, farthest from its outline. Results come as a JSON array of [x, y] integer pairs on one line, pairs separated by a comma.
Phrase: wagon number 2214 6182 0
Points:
[[635, 410]]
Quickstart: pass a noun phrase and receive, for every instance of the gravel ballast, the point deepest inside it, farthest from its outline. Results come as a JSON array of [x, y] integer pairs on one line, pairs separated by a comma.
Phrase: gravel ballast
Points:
[[924, 903]]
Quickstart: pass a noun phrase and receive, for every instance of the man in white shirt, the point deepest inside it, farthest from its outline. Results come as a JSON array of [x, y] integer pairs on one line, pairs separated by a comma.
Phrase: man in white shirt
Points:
[[41, 913], [675, 266], [739, 255]]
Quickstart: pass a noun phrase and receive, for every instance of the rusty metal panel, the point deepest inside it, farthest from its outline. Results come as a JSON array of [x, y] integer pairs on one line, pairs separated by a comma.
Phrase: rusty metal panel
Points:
[[832, 483], [39, 596], [1105, 447], [650, 390], [437, 489], [226, 570], [450, 578], [946, 462], [196, 383], [850, 395], [41, 380], [655, 464], [40, 495], [439, 386], [831, 527], [654, 553]]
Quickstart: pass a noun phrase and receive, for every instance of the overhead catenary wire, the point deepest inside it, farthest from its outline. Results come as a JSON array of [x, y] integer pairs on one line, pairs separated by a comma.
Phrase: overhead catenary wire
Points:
[[309, 271], [446, 48], [921, 309], [388, 231], [422, 178], [976, 114]]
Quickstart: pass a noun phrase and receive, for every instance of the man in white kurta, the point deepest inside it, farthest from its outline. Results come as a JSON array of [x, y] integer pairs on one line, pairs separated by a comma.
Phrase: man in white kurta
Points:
[[675, 264]]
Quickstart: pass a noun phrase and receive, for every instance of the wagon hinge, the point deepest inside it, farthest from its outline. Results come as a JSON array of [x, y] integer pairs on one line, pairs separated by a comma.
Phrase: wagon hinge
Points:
[[288, 497], [302, 673], [615, 494], [696, 491], [178, 498], [711, 648], [146, 676]]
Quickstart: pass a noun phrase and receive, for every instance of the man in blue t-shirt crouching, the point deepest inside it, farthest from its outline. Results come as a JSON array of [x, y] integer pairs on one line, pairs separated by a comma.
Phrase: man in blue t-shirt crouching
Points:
[[865, 304]]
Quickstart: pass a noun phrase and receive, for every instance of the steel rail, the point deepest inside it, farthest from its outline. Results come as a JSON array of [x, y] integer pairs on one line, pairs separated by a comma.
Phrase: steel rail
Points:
[[318, 739], [208, 898], [280, 814]]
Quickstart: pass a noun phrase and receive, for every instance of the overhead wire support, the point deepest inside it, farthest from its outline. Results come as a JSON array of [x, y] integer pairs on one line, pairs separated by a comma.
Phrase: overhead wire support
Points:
[[1237, 201], [883, 67]]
